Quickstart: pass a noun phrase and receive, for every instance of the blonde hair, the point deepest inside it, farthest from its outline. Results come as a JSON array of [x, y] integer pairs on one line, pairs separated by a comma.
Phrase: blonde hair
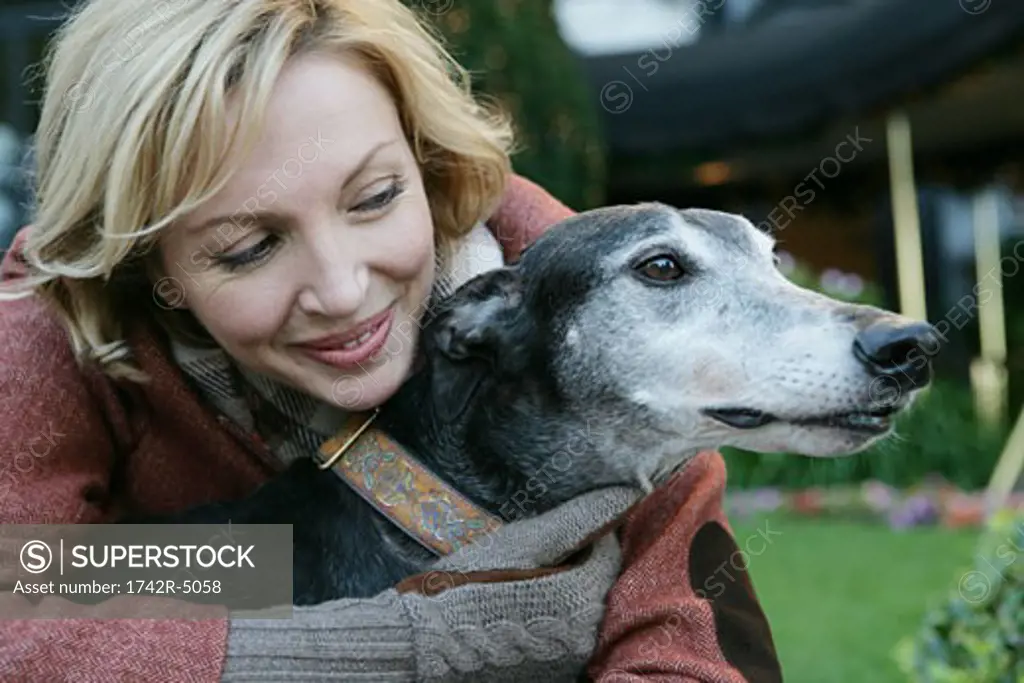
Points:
[[134, 134]]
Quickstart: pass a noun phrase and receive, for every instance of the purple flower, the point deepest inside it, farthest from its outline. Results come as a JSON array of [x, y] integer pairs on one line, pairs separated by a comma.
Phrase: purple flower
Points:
[[831, 279], [852, 285], [749, 502], [914, 511], [787, 264], [767, 499], [878, 496], [740, 509]]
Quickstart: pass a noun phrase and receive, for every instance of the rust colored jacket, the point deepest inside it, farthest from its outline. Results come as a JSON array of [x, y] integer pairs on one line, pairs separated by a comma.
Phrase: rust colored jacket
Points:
[[78, 447]]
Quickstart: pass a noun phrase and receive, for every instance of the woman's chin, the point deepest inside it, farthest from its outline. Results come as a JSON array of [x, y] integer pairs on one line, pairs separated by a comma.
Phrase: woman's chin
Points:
[[365, 391], [362, 388]]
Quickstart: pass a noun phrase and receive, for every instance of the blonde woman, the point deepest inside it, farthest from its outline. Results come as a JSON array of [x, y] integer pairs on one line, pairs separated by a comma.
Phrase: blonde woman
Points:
[[238, 202]]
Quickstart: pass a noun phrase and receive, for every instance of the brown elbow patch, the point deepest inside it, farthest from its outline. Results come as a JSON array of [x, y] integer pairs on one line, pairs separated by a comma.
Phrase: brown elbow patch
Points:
[[717, 573]]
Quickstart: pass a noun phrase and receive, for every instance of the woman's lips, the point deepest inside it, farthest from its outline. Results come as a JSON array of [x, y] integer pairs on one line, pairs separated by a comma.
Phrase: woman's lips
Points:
[[347, 352]]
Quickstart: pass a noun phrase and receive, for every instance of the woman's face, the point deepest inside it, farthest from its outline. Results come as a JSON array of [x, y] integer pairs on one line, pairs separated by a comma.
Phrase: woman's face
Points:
[[314, 264]]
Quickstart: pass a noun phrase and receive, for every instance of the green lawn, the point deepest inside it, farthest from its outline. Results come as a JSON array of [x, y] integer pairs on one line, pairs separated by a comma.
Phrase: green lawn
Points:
[[840, 595]]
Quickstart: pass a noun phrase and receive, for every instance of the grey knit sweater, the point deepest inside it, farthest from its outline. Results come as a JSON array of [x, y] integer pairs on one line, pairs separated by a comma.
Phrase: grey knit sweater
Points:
[[543, 629]]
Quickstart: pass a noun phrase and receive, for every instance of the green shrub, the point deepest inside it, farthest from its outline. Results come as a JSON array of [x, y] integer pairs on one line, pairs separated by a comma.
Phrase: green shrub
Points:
[[516, 55], [976, 633]]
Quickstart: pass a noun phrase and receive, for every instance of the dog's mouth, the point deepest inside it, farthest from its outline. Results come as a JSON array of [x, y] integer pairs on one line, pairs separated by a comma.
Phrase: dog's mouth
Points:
[[872, 421]]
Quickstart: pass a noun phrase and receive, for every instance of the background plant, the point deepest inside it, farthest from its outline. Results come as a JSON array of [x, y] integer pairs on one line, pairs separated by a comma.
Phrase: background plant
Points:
[[516, 55], [976, 634]]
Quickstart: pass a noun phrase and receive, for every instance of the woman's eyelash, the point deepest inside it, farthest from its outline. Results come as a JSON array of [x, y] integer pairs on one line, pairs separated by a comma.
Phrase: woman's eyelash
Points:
[[382, 198], [248, 256]]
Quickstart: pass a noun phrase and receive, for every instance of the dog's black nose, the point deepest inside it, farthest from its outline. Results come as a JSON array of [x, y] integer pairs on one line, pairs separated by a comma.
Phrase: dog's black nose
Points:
[[898, 349]]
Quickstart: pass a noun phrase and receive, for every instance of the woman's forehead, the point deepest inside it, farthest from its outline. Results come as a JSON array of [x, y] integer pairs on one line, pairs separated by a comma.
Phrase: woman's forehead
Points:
[[326, 120]]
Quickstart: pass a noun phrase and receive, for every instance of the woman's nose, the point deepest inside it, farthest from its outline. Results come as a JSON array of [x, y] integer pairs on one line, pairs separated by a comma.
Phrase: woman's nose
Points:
[[334, 287]]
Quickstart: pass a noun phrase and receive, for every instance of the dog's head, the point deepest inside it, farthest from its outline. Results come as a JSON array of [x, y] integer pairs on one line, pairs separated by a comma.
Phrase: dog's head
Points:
[[673, 331]]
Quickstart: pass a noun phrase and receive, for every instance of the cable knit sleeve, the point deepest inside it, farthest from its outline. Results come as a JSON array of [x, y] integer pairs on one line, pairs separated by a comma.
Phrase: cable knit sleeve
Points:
[[684, 609]]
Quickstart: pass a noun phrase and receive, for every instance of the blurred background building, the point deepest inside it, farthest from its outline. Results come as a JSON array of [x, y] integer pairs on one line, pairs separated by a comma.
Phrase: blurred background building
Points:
[[881, 141], [744, 107]]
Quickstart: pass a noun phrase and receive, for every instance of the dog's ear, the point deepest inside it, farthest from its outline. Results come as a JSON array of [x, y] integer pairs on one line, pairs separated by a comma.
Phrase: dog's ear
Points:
[[455, 384], [473, 337], [480, 319]]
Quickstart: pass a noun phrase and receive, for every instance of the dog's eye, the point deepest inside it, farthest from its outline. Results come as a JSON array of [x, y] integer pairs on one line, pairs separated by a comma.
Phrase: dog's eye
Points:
[[661, 268]]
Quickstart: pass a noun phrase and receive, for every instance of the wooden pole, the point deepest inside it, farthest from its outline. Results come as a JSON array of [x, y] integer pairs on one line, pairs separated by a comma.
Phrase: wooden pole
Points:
[[988, 372], [906, 220], [1008, 469]]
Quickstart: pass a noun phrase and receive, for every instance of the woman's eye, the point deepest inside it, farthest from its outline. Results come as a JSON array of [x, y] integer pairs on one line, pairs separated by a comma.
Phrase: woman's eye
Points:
[[661, 268], [246, 257], [382, 198]]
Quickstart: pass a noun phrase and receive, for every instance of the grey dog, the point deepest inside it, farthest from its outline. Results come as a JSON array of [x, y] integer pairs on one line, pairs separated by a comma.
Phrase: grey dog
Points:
[[640, 334]]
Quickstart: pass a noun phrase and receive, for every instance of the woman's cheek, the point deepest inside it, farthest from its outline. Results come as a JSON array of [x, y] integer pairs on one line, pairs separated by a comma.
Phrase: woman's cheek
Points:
[[243, 314], [409, 239]]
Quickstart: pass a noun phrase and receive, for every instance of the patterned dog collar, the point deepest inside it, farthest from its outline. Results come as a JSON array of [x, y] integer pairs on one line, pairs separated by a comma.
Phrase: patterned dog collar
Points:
[[401, 488]]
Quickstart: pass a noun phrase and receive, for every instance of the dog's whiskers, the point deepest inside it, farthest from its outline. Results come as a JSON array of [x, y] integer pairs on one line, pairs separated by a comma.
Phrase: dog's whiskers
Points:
[[664, 471], [645, 482], [895, 436]]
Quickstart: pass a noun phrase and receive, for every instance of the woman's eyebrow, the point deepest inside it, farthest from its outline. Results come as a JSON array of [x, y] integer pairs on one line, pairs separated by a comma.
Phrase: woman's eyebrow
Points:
[[366, 159], [241, 220]]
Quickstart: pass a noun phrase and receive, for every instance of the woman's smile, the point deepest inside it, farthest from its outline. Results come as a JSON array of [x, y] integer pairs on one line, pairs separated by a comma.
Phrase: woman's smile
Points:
[[353, 348]]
